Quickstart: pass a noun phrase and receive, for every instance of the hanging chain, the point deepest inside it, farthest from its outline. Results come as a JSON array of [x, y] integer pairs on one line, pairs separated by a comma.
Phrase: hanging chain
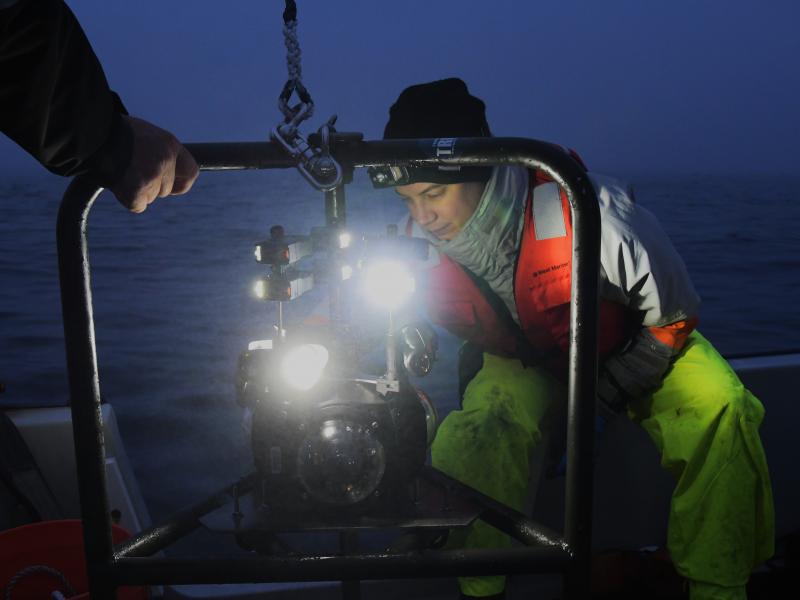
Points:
[[315, 164], [305, 109]]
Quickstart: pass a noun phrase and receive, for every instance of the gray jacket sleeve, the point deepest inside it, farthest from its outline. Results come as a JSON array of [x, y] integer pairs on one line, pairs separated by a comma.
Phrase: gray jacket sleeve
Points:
[[641, 269]]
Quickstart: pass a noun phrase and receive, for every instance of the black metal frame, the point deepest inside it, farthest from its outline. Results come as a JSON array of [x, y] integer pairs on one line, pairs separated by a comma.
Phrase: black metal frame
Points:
[[544, 551]]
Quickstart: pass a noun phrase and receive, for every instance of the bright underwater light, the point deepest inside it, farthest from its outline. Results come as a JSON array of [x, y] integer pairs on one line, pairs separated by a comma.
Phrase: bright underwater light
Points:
[[302, 366], [345, 239], [388, 283]]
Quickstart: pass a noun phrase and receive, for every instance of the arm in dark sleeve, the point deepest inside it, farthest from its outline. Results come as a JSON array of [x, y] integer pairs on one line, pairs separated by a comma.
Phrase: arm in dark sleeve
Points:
[[641, 365], [641, 269], [54, 98]]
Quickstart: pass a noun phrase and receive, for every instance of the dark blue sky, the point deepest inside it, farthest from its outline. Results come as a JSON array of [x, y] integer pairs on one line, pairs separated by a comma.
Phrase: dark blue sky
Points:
[[687, 85]]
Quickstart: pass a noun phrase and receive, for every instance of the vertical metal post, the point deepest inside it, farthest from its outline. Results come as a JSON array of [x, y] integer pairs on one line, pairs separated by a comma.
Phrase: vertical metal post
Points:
[[582, 384], [391, 351], [335, 208], [84, 384], [335, 221]]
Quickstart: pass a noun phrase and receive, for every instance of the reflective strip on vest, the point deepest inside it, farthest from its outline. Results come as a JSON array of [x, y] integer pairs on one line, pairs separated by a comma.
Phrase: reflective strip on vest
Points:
[[548, 216]]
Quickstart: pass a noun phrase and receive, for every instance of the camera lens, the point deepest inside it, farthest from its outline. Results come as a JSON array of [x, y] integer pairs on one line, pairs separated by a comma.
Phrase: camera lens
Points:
[[341, 462]]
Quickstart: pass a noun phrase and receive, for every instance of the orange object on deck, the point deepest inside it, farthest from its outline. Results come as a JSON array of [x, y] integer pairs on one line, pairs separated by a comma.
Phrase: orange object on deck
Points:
[[58, 547]]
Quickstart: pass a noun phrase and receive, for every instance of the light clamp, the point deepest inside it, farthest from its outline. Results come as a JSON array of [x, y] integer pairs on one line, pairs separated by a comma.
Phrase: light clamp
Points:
[[284, 251], [284, 287]]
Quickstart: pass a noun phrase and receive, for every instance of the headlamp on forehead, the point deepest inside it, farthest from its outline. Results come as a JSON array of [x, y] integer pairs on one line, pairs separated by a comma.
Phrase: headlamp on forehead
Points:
[[388, 176]]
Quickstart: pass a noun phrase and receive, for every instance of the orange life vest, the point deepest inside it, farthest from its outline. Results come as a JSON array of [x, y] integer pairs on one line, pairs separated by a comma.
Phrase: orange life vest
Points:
[[542, 287]]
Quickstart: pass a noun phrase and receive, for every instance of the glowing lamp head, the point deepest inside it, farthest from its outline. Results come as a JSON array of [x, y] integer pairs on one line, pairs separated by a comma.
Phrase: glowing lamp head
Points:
[[302, 366], [388, 283]]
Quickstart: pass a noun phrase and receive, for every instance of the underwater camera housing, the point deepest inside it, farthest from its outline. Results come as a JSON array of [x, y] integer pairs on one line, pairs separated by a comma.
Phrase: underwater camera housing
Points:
[[324, 440]]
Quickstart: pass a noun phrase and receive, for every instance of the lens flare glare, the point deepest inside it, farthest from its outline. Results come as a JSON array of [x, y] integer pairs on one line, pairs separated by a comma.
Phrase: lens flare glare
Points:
[[302, 366]]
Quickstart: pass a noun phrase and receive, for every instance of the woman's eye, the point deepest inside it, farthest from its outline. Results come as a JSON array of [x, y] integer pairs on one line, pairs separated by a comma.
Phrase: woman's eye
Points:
[[434, 194]]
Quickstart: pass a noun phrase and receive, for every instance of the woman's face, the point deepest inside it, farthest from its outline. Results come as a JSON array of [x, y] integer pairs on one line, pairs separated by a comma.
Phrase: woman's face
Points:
[[441, 208]]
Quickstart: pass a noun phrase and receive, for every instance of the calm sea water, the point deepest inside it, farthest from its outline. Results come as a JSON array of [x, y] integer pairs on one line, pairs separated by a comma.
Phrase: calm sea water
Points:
[[173, 302]]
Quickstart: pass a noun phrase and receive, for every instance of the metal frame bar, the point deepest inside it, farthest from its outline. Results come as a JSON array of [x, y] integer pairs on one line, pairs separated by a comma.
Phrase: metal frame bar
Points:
[[108, 569]]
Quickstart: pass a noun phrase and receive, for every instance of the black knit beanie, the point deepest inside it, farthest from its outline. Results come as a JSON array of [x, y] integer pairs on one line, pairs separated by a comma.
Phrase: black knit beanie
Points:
[[439, 109]]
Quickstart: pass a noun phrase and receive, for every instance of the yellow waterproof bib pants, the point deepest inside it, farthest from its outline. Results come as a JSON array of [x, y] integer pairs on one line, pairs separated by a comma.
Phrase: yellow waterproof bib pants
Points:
[[704, 424]]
